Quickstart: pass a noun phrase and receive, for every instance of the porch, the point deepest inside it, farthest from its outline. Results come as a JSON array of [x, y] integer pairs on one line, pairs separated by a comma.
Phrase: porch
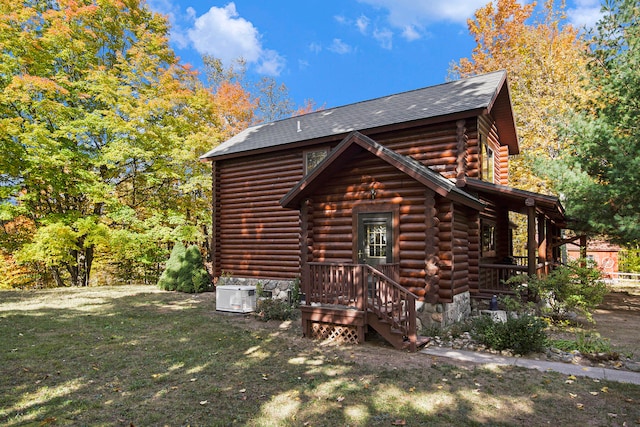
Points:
[[343, 300]]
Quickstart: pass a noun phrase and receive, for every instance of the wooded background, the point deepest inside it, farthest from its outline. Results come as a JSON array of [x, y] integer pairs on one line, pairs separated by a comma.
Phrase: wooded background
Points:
[[101, 128]]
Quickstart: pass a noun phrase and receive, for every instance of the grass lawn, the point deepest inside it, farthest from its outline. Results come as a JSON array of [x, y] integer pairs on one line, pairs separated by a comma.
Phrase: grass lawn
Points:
[[139, 356]]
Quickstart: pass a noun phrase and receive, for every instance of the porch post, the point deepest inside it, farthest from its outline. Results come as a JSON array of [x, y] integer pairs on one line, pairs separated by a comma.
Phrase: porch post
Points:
[[531, 237], [542, 241]]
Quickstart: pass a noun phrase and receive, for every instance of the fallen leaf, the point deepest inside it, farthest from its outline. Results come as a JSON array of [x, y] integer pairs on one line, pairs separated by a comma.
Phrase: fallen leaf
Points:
[[595, 380], [612, 415], [593, 393], [399, 423], [412, 389], [193, 380], [605, 389], [571, 377], [204, 402], [579, 406], [243, 390], [568, 382], [340, 398], [534, 396], [573, 395]]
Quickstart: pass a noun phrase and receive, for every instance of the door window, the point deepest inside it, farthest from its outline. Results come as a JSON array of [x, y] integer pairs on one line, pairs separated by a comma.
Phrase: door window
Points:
[[375, 238]]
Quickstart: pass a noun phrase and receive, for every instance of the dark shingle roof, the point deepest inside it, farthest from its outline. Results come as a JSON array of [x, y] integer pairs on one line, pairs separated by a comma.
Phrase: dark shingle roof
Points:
[[474, 93]]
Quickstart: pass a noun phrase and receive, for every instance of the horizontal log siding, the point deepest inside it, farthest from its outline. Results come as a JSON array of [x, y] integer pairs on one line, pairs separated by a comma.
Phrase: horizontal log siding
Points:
[[488, 127], [461, 226], [256, 237], [444, 211], [474, 251], [435, 146], [457, 237], [333, 220]]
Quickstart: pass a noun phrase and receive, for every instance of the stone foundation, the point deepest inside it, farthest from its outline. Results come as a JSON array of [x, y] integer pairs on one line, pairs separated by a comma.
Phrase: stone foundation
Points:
[[278, 289], [444, 314]]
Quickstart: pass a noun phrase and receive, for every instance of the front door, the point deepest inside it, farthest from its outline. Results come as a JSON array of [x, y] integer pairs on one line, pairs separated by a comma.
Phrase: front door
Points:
[[375, 238]]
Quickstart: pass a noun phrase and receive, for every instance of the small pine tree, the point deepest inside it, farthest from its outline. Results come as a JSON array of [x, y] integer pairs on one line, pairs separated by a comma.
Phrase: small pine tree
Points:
[[185, 271]]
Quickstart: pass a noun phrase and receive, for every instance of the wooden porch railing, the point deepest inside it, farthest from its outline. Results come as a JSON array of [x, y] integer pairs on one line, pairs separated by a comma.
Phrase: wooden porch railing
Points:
[[493, 275], [366, 289]]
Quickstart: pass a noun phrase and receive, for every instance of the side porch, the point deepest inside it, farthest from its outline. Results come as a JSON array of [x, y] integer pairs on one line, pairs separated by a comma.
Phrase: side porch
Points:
[[342, 301], [541, 220]]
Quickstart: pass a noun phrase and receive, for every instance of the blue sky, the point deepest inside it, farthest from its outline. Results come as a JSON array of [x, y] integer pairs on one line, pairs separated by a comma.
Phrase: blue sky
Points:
[[335, 52]]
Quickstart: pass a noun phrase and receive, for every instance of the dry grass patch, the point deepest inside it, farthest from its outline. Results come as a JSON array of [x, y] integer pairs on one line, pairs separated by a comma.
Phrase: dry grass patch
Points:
[[136, 355]]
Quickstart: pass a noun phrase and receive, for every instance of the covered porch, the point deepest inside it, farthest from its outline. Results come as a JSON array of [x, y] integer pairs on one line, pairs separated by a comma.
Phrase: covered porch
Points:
[[545, 220]]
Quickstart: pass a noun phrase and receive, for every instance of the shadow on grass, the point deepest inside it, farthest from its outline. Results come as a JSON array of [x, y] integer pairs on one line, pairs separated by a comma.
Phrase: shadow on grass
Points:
[[133, 355]]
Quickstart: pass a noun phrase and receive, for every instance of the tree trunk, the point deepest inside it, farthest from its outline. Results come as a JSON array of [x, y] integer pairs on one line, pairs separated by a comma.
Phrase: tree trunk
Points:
[[56, 277], [73, 270], [88, 261]]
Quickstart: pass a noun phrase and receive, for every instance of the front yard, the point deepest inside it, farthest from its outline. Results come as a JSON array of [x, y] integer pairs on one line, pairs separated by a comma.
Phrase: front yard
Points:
[[139, 356]]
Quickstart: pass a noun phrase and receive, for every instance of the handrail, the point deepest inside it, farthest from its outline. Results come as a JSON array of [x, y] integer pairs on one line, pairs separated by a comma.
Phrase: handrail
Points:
[[365, 288], [392, 302]]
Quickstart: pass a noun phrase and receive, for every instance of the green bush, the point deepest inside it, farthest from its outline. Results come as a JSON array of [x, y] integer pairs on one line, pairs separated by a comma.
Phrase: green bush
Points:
[[274, 309], [522, 335], [585, 343], [576, 286], [185, 271]]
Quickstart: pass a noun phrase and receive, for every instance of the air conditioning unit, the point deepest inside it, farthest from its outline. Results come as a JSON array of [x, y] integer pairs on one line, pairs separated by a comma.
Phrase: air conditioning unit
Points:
[[237, 299]]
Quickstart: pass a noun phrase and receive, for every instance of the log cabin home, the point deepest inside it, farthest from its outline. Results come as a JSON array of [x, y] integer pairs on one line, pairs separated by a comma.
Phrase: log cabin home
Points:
[[392, 213]]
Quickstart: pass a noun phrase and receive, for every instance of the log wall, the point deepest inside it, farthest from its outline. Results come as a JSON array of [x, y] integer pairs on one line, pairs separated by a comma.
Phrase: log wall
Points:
[[255, 236], [487, 126]]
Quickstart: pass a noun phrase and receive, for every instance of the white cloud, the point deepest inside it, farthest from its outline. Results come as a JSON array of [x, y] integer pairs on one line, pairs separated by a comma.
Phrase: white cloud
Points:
[[586, 13], [220, 32], [410, 33], [362, 23], [384, 37], [315, 47], [410, 16], [340, 47], [340, 19]]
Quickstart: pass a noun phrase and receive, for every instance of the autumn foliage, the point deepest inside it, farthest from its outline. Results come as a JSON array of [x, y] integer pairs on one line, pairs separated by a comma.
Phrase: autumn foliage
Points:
[[101, 128], [544, 58]]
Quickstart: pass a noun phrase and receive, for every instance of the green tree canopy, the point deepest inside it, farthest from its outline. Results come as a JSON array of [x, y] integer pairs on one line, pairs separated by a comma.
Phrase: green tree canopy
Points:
[[100, 129], [599, 173]]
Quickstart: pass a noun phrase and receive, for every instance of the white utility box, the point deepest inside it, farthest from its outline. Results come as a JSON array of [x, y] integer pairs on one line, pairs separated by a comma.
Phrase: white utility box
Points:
[[237, 299]]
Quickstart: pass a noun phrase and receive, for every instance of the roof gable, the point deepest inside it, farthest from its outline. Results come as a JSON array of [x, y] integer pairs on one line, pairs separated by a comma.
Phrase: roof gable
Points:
[[355, 142], [475, 95]]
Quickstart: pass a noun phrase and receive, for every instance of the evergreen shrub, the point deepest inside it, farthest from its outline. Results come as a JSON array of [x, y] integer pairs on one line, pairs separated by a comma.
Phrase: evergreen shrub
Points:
[[523, 334], [185, 271]]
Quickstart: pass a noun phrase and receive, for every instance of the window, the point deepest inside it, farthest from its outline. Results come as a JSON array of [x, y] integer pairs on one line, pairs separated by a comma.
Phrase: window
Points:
[[376, 239], [486, 159], [488, 238], [313, 158]]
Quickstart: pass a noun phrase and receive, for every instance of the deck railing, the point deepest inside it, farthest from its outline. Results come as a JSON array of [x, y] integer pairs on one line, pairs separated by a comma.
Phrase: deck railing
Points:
[[494, 275], [364, 288], [391, 303]]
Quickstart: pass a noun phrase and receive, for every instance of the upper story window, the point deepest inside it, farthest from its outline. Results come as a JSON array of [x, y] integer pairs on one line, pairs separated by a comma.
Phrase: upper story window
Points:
[[313, 158], [487, 160]]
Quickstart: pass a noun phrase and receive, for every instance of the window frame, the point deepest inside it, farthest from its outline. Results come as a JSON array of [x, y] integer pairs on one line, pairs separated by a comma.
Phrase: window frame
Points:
[[487, 161], [307, 155]]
